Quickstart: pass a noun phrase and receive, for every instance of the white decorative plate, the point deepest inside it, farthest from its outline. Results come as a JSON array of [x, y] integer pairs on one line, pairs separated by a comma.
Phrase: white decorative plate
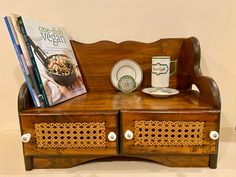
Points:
[[126, 67], [160, 92]]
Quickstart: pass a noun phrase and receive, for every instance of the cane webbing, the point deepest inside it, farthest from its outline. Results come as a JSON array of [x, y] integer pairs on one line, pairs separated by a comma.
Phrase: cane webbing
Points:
[[168, 133], [70, 135]]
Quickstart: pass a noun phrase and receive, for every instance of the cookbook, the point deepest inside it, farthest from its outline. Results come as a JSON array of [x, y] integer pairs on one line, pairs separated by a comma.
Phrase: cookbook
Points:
[[55, 66]]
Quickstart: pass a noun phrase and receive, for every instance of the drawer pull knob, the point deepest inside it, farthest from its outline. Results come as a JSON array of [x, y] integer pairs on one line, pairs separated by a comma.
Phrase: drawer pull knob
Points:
[[214, 135], [129, 135], [26, 138], [112, 136]]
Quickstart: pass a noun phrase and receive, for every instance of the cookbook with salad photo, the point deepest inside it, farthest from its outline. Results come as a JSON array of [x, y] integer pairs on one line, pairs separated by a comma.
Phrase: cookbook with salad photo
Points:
[[53, 61]]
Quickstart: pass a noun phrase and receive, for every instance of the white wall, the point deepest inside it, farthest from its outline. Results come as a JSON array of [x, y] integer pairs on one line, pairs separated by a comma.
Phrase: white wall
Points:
[[213, 22]]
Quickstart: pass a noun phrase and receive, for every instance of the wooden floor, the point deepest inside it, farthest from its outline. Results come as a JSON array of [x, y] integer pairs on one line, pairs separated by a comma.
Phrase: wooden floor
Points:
[[11, 163]]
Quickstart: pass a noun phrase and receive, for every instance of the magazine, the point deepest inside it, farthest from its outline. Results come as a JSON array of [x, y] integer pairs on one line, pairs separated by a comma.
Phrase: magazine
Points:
[[21, 59], [54, 62]]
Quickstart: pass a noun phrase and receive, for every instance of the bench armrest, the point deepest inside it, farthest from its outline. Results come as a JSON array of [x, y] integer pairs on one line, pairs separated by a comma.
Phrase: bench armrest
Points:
[[208, 91], [24, 98], [189, 65]]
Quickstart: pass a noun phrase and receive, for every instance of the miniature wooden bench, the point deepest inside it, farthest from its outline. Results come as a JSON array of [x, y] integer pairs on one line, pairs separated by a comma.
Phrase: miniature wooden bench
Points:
[[178, 131]]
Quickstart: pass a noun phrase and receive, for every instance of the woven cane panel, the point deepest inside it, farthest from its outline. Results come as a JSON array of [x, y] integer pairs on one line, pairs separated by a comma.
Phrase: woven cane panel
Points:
[[70, 135], [168, 133]]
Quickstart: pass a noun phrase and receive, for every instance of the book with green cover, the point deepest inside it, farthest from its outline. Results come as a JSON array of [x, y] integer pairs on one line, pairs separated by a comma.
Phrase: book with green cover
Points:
[[36, 71], [55, 65]]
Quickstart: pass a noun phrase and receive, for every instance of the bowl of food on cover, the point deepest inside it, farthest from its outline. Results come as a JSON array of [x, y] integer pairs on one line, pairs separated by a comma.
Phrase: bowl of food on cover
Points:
[[61, 69], [58, 66]]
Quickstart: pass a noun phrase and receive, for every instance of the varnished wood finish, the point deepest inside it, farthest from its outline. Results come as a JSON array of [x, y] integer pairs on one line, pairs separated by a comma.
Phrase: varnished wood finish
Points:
[[170, 160], [28, 162], [30, 149], [208, 117], [115, 101], [178, 160], [24, 100], [96, 60], [189, 65], [104, 103]]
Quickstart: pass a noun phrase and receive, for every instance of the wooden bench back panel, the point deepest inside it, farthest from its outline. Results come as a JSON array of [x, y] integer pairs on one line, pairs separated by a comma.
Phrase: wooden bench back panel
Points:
[[96, 60]]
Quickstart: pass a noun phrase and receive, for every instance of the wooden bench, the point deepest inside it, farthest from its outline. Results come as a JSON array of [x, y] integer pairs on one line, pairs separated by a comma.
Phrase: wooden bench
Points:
[[174, 131]]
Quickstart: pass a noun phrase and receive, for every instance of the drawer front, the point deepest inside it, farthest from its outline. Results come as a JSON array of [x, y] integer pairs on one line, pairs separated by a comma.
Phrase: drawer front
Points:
[[69, 134], [171, 132]]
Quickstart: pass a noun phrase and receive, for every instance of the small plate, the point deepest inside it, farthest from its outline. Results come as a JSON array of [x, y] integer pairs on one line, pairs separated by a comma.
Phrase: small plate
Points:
[[160, 92], [126, 84], [126, 67]]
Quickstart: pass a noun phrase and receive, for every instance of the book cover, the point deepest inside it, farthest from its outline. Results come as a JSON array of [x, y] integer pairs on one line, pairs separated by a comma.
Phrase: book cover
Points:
[[55, 60], [32, 58], [21, 60], [26, 57]]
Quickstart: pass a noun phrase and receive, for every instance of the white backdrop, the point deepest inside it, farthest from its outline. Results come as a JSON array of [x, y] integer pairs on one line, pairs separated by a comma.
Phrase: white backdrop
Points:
[[213, 22]]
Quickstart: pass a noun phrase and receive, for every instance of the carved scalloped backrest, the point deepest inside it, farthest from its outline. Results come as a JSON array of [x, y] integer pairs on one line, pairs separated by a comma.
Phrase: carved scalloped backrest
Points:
[[96, 60]]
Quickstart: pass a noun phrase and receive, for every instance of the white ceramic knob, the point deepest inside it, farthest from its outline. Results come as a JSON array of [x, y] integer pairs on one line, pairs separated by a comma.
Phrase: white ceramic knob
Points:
[[26, 138], [112, 136], [214, 135], [129, 135]]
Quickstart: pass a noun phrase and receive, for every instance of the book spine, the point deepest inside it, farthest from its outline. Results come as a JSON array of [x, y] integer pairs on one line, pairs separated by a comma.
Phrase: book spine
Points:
[[26, 58], [19, 56], [36, 71]]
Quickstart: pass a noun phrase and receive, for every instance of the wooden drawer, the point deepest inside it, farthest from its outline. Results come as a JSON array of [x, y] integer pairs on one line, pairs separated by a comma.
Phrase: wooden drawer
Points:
[[69, 134], [170, 132]]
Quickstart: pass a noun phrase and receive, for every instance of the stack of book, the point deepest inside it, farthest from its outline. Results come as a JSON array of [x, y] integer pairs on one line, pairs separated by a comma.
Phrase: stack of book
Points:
[[47, 60]]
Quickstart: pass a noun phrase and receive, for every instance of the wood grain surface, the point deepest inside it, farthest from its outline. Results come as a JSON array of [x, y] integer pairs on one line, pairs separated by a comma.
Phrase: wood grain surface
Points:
[[96, 60], [104, 103]]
